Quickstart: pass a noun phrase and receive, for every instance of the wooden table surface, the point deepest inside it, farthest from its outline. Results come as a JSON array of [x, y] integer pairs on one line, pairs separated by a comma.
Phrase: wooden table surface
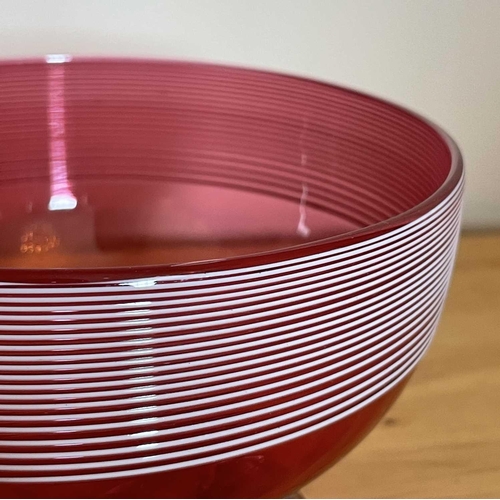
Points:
[[442, 437]]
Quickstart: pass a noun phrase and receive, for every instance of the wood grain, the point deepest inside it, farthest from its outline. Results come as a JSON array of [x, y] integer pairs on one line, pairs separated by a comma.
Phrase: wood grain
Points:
[[442, 437]]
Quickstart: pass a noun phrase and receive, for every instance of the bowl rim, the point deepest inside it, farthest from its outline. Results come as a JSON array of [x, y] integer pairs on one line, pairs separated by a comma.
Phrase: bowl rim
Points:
[[66, 276]]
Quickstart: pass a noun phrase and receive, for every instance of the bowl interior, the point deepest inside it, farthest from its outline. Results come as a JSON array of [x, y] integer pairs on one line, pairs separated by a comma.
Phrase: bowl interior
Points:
[[130, 163]]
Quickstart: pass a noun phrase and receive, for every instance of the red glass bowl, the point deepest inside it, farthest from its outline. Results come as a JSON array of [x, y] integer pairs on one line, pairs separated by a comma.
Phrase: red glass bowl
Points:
[[213, 281]]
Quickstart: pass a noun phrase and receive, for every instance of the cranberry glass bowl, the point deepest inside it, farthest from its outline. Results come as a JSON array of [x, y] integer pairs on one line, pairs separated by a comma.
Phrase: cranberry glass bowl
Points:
[[213, 281]]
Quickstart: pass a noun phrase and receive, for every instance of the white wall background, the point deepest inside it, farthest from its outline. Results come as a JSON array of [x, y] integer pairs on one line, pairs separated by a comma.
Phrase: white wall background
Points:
[[438, 57]]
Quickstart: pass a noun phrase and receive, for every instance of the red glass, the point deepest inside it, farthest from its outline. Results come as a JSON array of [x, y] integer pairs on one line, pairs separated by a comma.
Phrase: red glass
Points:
[[213, 281]]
